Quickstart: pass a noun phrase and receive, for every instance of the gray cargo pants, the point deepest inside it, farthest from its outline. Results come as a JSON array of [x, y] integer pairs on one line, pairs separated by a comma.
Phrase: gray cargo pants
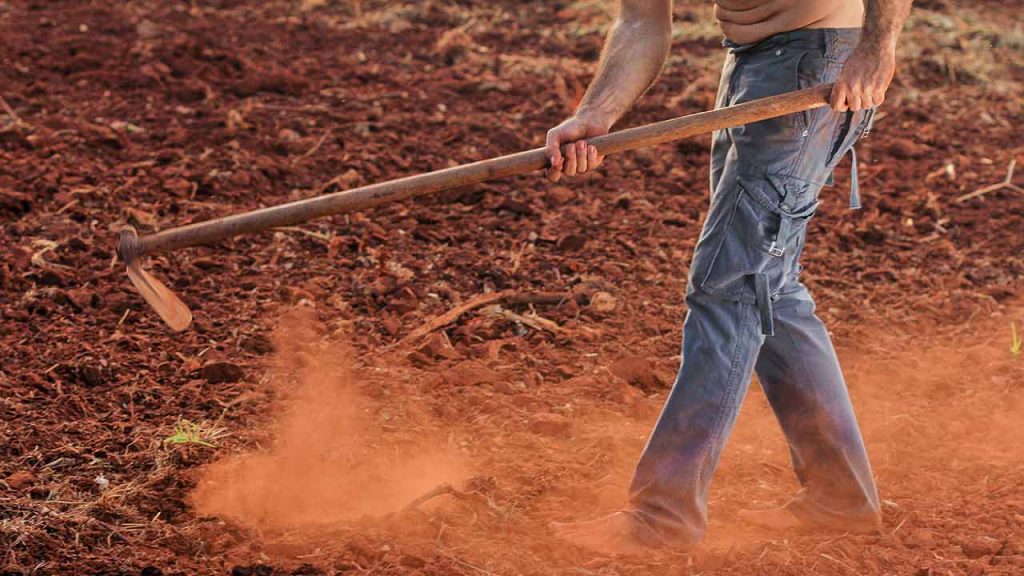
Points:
[[748, 311]]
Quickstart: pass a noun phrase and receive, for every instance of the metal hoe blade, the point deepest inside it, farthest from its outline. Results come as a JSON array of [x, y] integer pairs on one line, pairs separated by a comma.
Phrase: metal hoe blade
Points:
[[171, 309]]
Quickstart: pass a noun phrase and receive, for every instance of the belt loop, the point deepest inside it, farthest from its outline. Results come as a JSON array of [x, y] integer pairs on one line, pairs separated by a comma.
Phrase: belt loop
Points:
[[764, 304], [854, 184]]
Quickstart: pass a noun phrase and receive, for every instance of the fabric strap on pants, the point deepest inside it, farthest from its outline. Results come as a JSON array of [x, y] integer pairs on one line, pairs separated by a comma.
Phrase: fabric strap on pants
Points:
[[762, 290], [854, 181], [854, 185], [764, 304]]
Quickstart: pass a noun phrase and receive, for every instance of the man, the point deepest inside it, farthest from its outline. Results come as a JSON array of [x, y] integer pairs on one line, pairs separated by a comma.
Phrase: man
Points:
[[747, 310]]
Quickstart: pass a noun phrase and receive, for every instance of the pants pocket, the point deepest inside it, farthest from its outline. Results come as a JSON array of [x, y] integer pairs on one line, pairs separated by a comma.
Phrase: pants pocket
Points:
[[759, 246], [853, 127], [769, 72]]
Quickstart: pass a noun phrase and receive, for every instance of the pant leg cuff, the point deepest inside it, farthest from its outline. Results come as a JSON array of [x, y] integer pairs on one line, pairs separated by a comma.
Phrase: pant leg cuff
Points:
[[812, 514], [657, 533]]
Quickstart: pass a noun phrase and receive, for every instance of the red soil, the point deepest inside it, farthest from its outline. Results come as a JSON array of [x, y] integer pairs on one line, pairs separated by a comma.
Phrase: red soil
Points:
[[158, 114]]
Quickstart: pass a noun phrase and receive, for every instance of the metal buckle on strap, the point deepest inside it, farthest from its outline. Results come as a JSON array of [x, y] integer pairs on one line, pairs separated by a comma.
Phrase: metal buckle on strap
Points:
[[778, 246], [869, 123]]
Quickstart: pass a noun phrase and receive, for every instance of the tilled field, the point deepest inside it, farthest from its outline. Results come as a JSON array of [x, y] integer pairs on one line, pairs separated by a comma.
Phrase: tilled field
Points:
[[311, 424]]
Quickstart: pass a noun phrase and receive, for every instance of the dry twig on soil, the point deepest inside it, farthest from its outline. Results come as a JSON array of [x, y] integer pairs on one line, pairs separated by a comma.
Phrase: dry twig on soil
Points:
[[10, 111], [312, 150], [533, 321], [439, 490], [1006, 183], [507, 298], [447, 488], [309, 233]]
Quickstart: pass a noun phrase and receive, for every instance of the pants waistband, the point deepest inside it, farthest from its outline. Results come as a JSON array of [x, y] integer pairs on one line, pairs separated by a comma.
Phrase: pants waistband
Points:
[[829, 40]]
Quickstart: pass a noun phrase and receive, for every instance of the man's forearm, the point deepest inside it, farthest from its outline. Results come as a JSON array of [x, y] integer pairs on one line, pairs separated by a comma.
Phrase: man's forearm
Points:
[[883, 23], [634, 54]]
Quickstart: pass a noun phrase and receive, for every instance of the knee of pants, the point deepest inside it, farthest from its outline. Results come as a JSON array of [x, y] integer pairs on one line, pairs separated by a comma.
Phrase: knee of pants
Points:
[[718, 319]]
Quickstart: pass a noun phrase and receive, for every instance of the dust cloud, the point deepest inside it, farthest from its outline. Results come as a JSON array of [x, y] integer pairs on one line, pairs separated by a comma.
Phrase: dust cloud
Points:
[[330, 460]]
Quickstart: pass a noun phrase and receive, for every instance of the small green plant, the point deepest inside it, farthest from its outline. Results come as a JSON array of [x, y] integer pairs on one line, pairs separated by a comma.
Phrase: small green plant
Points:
[[1016, 343], [187, 432]]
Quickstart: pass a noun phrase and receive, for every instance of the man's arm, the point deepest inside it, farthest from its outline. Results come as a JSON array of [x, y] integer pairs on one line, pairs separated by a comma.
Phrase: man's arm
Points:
[[867, 73], [633, 55]]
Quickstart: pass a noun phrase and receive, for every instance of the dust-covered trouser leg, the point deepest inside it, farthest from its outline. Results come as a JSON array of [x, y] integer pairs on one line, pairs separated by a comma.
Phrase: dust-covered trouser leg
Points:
[[747, 307]]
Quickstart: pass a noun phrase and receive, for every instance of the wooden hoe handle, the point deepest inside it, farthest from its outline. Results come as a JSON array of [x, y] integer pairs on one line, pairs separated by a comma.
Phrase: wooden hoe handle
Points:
[[211, 231]]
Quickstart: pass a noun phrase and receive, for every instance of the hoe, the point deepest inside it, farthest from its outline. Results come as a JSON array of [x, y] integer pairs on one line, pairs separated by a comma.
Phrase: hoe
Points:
[[132, 247]]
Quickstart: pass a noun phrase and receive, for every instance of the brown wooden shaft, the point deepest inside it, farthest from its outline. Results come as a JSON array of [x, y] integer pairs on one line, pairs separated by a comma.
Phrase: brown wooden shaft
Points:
[[212, 231], [704, 122]]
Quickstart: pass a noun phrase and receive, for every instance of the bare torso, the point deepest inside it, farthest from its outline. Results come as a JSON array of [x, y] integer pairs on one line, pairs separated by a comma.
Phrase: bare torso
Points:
[[745, 21]]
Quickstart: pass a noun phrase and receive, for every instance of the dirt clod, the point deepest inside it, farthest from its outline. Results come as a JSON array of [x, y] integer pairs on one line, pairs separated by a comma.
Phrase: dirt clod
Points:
[[437, 346], [571, 242], [560, 194], [470, 373], [980, 546], [920, 538], [547, 424], [603, 302], [904, 148], [20, 480], [221, 372], [638, 371]]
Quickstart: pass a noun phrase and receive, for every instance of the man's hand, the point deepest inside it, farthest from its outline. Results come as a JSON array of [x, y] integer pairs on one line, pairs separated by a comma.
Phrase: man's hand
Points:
[[633, 54], [579, 156], [864, 80]]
